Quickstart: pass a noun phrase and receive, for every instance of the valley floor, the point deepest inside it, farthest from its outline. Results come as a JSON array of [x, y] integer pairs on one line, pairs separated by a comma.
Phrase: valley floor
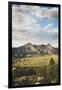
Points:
[[35, 61]]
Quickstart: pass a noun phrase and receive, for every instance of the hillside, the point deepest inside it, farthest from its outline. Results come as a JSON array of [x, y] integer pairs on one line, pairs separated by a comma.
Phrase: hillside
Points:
[[29, 49]]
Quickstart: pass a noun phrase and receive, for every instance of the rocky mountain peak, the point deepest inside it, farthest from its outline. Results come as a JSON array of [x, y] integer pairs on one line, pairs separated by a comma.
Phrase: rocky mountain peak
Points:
[[49, 46], [34, 49]]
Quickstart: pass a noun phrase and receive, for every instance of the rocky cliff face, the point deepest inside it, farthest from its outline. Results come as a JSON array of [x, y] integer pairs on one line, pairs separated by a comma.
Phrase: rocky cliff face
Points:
[[29, 49]]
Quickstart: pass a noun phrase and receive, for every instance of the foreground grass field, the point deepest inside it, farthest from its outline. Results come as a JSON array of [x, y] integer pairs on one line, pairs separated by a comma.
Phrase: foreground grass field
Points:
[[35, 70]]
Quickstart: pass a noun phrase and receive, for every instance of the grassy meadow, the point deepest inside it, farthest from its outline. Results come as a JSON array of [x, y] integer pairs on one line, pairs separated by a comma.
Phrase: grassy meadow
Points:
[[35, 70]]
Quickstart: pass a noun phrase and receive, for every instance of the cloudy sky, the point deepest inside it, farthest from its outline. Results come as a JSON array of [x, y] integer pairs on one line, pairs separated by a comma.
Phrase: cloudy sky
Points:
[[34, 24]]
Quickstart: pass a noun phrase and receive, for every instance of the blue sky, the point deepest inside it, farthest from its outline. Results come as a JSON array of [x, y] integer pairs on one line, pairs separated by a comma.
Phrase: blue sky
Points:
[[34, 24]]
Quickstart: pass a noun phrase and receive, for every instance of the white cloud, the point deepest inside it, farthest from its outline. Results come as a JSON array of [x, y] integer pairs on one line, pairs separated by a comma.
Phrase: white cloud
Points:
[[53, 12], [44, 12], [26, 28], [37, 10], [23, 21], [52, 31]]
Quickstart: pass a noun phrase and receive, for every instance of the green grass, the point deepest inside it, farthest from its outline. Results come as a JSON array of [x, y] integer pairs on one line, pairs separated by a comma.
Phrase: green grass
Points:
[[35, 70], [35, 61]]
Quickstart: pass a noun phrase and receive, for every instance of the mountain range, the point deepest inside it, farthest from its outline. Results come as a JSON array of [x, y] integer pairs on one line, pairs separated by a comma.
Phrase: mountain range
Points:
[[30, 49]]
